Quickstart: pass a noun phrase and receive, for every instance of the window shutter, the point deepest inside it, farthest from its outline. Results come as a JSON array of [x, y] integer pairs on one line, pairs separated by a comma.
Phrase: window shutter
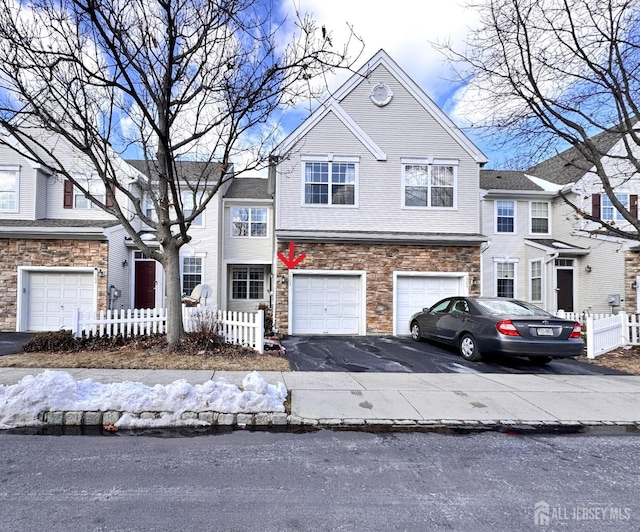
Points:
[[109, 201], [68, 194], [633, 205], [595, 205]]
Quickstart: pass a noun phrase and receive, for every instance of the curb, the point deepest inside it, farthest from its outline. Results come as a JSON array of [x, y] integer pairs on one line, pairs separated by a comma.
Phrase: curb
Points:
[[281, 420]]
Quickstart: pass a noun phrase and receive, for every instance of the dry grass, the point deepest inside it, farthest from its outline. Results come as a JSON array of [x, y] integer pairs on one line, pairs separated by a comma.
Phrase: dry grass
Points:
[[152, 354], [144, 360], [622, 359]]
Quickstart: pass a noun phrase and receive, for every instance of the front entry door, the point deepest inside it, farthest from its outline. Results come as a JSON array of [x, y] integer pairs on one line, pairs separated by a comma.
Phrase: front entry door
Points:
[[145, 294], [564, 290]]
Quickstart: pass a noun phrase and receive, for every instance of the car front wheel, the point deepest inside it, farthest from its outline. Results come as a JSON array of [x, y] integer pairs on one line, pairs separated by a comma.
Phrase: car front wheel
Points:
[[469, 348], [415, 332]]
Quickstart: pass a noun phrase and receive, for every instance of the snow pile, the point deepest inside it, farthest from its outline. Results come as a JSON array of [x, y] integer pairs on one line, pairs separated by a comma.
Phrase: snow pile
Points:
[[21, 403]]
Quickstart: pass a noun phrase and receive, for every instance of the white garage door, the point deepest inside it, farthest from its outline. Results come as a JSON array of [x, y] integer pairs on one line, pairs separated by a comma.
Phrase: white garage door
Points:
[[326, 304], [413, 293], [52, 296]]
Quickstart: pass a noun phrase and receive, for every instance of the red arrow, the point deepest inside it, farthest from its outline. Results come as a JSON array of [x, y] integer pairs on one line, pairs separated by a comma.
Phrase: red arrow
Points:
[[292, 261]]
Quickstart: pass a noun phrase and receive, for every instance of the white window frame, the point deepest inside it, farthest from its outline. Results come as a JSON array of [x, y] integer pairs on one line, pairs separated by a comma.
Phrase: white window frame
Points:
[[430, 163], [183, 270], [624, 198], [514, 264], [16, 189], [496, 216], [187, 199], [250, 222], [532, 278], [330, 160], [96, 189], [248, 280], [548, 218]]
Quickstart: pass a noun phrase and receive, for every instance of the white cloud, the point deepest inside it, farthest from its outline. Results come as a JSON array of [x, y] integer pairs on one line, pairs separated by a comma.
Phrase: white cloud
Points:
[[404, 29]]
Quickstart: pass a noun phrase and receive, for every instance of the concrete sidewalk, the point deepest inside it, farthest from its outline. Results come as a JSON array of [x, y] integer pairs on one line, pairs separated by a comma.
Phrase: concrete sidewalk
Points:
[[417, 399]]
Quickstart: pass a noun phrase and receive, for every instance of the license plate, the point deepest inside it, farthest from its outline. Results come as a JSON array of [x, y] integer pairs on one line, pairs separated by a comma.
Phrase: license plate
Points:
[[545, 331]]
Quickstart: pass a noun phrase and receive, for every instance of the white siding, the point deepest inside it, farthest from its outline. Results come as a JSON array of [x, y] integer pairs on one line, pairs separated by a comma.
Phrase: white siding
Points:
[[402, 129], [256, 249]]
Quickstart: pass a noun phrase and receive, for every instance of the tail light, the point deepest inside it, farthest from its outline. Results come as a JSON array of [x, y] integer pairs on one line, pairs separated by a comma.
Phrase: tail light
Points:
[[507, 328], [577, 331]]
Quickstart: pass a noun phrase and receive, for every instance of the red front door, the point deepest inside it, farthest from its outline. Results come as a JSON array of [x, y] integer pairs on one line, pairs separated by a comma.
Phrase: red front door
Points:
[[145, 283]]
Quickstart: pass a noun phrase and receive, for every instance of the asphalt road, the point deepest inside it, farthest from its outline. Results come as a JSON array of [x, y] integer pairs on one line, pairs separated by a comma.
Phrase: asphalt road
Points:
[[403, 355], [323, 481], [11, 342]]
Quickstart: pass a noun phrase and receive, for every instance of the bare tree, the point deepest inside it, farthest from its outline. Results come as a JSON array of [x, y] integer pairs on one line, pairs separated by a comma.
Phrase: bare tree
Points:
[[170, 81], [543, 76]]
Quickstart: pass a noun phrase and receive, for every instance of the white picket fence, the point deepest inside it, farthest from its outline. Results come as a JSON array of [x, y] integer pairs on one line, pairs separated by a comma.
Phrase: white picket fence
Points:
[[605, 332], [242, 328]]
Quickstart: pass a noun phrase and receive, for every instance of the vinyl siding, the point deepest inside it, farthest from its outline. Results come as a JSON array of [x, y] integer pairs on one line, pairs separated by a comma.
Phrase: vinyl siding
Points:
[[247, 249], [606, 259], [401, 132], [26, 189]]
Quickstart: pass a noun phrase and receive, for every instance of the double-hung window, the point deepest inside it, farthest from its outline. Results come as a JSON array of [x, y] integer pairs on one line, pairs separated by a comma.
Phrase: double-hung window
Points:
[[191, 273], [9, 189], [539, 217], [429, 183], [505, 216], [609, 212], [249, 221], [95, 187], [187, 198], [505, 279], [331, 182], [536, 280], [247, 282]]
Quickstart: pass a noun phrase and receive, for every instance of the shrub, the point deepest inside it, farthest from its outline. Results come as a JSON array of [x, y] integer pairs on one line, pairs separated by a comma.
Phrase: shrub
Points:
[[52, 341]]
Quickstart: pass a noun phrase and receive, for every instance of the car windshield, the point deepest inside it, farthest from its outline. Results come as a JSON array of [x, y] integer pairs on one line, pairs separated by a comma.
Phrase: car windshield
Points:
[[511, 308]]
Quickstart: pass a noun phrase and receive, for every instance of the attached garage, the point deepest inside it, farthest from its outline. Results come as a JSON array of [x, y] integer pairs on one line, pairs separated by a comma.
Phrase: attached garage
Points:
[[327, 303], [413, 292], [48, 297]]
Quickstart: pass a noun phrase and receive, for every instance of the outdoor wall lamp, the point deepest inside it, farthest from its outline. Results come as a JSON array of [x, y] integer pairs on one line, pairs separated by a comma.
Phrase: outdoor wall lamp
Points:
[[634, 285], [125, 263], [587, 268], [283, 279]]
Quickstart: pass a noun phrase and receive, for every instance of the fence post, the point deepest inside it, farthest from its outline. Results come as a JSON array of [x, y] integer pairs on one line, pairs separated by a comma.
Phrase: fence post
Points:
[[75, 323], [260, 332], [625, 327], [590, 338]]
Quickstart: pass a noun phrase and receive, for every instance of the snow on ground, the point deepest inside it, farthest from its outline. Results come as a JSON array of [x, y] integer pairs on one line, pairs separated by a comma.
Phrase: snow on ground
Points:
[[21, 403]]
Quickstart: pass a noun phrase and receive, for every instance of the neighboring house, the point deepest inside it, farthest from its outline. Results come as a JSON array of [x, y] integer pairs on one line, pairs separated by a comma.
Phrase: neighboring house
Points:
[[55, 248], [247, 245], [379, 190], [60, 252], [540, 249]]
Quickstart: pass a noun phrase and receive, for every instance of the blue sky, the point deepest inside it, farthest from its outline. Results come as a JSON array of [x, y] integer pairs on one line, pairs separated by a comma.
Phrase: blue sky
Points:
[[405, 29]]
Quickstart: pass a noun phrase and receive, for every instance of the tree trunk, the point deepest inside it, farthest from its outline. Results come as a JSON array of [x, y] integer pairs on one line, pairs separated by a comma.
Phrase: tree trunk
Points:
[[171, 263]]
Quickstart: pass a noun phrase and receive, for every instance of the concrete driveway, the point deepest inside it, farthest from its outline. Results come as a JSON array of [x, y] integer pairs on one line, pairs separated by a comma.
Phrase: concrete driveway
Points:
[[401, 354]]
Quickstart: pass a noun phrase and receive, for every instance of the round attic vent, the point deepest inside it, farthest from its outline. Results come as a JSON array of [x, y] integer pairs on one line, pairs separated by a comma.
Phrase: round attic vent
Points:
[[381, 94]]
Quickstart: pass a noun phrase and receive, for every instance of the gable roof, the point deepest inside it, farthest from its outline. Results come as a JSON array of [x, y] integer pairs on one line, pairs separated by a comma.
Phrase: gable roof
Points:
[[186, 169], [332, 105], [570, 165]]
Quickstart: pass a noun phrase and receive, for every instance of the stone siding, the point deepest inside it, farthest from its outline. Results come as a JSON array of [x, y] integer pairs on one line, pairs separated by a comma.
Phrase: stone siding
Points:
[[379, 261], [631, 271], [14, 253]]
